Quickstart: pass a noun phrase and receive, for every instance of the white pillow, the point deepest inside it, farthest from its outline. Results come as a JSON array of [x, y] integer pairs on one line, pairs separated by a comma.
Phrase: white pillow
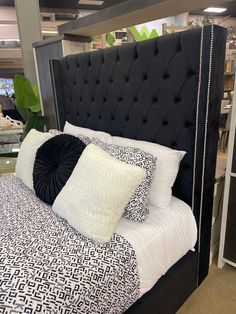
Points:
[[26, 156], [167, 168], [77, 130], [95, 195]]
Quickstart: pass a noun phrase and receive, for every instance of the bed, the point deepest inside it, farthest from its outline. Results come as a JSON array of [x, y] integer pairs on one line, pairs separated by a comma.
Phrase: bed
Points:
[[166, 91]]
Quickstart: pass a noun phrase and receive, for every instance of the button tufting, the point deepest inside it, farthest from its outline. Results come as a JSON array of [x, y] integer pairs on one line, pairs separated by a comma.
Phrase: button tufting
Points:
[[85, 82], [74, 82], [156, 51], [127, 79], [186, 166], [177, 99], [188, 124], [112, 118], [178, 48], [120, 99], [145, 77], [135, 99], [166, 76], [100, 117], [155, 99], [77, 114], [111, 80], [80, 98], [92, 99], [127, 118], [191, 72], [70, 98], [104, 99], [88, 115], [77, 64], [97, 82], [145, 121], [164, 122]]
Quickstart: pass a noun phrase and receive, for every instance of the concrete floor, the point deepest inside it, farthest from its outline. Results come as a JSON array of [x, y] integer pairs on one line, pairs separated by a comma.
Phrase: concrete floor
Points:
[[216, 295]]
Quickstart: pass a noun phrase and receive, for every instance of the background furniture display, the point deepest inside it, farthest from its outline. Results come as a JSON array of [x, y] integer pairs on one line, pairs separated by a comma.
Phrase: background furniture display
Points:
[[7, 165], [227, 252], [108, 96], [229, 76], [56, 47]]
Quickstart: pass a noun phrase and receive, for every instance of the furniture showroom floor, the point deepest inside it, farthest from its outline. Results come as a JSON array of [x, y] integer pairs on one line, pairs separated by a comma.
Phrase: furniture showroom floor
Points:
[[216, 295]]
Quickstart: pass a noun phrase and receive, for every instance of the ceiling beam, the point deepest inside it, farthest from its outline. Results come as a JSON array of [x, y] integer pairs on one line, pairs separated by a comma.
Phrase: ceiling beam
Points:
[[131, 12]]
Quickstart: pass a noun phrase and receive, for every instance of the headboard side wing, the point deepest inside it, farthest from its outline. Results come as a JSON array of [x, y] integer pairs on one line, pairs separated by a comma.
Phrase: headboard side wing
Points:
[[210, 90]]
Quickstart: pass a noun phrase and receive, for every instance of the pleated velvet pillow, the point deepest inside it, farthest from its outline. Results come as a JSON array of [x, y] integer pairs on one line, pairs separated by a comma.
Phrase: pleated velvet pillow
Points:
[[54, 163]]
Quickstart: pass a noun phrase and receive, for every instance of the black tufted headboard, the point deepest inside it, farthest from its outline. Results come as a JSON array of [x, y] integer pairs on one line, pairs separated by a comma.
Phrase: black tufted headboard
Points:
[[165, 90]]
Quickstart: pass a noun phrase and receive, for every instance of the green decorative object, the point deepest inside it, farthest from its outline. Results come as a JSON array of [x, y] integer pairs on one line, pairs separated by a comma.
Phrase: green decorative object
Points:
[[153, 34], [135, 33], [143, 34], [28, 103], [110, 39]]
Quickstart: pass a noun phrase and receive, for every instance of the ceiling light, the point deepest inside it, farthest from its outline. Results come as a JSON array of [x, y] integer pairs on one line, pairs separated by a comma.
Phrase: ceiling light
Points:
[[50, 32], [91, 2], [9, 39], [215, 10]]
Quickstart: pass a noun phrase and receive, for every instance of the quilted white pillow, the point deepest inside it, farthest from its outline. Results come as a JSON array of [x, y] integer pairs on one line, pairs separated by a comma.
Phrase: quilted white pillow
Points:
[[77, 130], [95, 195], [167, 168], [26, 156]]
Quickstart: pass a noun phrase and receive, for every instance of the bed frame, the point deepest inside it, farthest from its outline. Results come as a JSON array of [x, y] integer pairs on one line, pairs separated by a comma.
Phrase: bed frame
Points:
[[168, 91]]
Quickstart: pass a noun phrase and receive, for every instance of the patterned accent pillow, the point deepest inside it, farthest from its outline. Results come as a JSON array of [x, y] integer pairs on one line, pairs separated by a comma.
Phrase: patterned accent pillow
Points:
[[136, 209], [86, 140]]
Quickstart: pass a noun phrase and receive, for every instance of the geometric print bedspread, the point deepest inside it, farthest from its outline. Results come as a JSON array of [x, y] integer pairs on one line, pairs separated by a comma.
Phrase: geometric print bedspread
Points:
[[48, 267]]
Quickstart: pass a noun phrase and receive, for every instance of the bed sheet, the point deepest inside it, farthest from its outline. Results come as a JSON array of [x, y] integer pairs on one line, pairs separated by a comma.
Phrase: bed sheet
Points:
[[160, 241], [46, 266]]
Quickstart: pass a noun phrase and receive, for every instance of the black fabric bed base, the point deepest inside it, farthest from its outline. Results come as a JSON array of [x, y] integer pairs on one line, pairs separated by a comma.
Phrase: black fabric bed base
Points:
[[171, 291]]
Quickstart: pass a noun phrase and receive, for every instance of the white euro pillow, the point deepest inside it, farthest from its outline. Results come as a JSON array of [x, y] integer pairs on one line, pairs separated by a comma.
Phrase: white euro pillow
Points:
[[26, 156], [95, 195], [167, 167], [77, 130]]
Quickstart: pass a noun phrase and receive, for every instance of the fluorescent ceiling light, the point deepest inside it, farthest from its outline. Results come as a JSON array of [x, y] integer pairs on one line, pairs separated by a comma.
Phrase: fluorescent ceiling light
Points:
[[15, 150], [9, 39], [215, 10], [50, 32], [91, 2]]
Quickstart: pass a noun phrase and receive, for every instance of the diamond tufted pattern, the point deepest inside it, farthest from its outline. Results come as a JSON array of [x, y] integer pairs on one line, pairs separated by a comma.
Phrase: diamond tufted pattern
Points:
[[144, 90]]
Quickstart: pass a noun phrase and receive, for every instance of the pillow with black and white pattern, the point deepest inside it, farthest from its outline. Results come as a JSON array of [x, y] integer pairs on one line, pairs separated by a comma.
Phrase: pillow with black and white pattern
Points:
[[86, 140], [136, 209]]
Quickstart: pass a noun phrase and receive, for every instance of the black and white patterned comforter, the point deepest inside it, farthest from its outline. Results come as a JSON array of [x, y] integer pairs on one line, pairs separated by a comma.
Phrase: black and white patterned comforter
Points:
[[48, 267]]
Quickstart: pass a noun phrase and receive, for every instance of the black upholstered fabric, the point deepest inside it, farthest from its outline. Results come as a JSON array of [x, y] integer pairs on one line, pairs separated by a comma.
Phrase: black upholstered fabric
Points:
[[152, 91], [55, 160], [145, 91]]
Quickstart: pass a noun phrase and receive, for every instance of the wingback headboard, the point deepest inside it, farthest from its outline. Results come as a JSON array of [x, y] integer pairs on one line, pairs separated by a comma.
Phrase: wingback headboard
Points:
[[165, 90]]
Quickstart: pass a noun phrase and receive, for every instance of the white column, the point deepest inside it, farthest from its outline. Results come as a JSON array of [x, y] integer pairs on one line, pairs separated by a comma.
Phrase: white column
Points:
[[28, 19]]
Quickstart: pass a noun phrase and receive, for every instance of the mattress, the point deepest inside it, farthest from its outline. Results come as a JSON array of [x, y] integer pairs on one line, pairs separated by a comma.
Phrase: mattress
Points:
[[160, 241]]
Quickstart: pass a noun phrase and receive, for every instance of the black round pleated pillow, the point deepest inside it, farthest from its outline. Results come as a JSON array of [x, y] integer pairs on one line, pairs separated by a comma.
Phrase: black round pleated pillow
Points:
[[55, 160]]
